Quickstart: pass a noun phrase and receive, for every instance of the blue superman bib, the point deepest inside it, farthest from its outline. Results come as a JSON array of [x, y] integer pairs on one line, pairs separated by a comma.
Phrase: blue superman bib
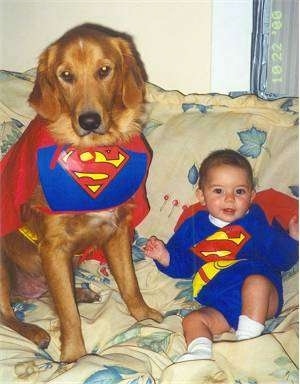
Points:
[[91, 179]]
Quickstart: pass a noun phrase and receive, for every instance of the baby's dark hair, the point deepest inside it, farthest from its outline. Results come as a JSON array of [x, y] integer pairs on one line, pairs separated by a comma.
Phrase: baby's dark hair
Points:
[[222, 157]]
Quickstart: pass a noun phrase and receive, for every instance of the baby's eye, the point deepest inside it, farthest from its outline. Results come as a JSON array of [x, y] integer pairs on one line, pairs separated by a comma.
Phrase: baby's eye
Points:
[[240, 191], [217, 190]]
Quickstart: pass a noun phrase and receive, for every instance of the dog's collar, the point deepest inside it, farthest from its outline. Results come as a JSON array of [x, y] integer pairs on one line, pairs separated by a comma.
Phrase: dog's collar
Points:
[[29, 234]]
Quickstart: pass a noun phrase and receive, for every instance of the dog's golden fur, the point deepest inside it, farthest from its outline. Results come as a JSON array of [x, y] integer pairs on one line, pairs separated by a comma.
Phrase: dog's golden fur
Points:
[[89, 88], [90, 69]]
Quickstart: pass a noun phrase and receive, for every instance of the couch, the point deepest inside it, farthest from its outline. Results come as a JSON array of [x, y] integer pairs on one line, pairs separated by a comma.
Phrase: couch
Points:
[[181, 130]]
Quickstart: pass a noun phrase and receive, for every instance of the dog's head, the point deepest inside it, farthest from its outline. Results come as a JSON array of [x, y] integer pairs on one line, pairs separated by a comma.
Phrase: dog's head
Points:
[[90, 86]]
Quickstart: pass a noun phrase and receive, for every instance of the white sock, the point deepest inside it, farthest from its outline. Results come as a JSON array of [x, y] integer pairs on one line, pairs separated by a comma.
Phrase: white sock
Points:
[[200, 348], [248, 328]]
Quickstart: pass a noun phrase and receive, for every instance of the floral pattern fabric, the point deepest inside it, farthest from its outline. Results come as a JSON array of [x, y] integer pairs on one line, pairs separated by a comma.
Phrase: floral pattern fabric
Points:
[[182, 130]]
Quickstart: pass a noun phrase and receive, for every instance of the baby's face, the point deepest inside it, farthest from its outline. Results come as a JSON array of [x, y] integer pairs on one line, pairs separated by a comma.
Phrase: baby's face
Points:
[[227, 192]]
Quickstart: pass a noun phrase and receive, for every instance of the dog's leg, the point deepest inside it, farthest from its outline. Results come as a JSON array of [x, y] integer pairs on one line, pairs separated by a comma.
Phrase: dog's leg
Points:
[[32, 332], [57, 266], [118, 253]]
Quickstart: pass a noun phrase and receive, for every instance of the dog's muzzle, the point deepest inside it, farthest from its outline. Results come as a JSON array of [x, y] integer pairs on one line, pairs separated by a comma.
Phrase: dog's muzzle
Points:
[[89, 121]]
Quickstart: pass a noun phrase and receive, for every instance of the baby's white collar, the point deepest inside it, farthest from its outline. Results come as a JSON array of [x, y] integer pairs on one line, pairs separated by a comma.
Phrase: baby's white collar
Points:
[[217, 222]]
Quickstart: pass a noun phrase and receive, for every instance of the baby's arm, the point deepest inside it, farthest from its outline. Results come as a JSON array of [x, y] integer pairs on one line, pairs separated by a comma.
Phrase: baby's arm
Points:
[[294, 228], [156, 250], [281, 247]]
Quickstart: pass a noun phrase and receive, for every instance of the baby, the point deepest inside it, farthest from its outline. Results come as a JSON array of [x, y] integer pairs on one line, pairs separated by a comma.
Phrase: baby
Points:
[[233, 254]]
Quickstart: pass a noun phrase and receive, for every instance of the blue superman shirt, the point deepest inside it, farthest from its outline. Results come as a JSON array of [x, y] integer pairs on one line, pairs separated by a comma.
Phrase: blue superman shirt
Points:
[[220, 259]]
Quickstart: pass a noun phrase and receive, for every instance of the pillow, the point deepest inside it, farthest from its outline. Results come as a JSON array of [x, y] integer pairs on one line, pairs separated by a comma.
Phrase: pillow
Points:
[[15, 113], [183, 130]]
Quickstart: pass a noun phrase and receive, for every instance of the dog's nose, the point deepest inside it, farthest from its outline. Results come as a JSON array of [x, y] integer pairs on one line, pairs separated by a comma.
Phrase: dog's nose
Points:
[[89, 121]]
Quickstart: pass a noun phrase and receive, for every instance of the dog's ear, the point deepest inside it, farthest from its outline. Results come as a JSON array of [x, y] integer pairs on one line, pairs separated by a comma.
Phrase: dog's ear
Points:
[[44, 97], [134, 75]]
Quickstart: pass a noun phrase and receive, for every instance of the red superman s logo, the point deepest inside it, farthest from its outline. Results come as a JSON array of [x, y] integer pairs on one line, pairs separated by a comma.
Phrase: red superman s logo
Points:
[[222, 245], [93, 169]]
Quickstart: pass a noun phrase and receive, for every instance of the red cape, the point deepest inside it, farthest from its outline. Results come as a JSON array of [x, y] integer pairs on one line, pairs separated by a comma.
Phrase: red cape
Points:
[[19, 174], [275, 204]]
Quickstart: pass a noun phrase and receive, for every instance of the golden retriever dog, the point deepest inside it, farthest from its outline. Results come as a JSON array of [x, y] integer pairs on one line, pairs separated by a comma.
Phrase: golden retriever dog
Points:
[[89, 97]]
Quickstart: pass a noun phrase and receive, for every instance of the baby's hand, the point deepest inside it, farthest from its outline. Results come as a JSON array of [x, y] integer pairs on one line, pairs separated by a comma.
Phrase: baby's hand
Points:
[[294, 227], [156, 250]]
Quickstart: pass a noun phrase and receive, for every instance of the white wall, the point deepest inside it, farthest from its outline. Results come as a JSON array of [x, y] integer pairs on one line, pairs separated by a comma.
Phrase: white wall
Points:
[[174, 38], [231, 45]]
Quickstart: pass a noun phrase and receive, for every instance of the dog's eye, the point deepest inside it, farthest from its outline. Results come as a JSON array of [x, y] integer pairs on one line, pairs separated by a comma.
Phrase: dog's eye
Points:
[[104, 71], [67, 76]]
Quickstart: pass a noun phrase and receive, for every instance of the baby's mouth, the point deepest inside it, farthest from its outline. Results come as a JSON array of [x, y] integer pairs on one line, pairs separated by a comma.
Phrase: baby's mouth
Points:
[[229, 211]]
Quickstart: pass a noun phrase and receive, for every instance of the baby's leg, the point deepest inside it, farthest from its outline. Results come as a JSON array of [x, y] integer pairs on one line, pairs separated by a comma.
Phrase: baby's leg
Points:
[[259, 303], [199, 327]]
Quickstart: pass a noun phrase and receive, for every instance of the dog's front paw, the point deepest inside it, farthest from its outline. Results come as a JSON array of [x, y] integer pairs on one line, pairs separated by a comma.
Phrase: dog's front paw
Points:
[[155, 315], [147, 313], [71, 354]]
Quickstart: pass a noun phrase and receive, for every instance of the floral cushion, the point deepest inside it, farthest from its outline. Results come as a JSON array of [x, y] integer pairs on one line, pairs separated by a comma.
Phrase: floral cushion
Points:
[[181, 130]]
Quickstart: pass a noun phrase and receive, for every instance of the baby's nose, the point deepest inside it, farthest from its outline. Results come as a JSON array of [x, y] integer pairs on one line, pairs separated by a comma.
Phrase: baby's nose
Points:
[[229, 196]]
